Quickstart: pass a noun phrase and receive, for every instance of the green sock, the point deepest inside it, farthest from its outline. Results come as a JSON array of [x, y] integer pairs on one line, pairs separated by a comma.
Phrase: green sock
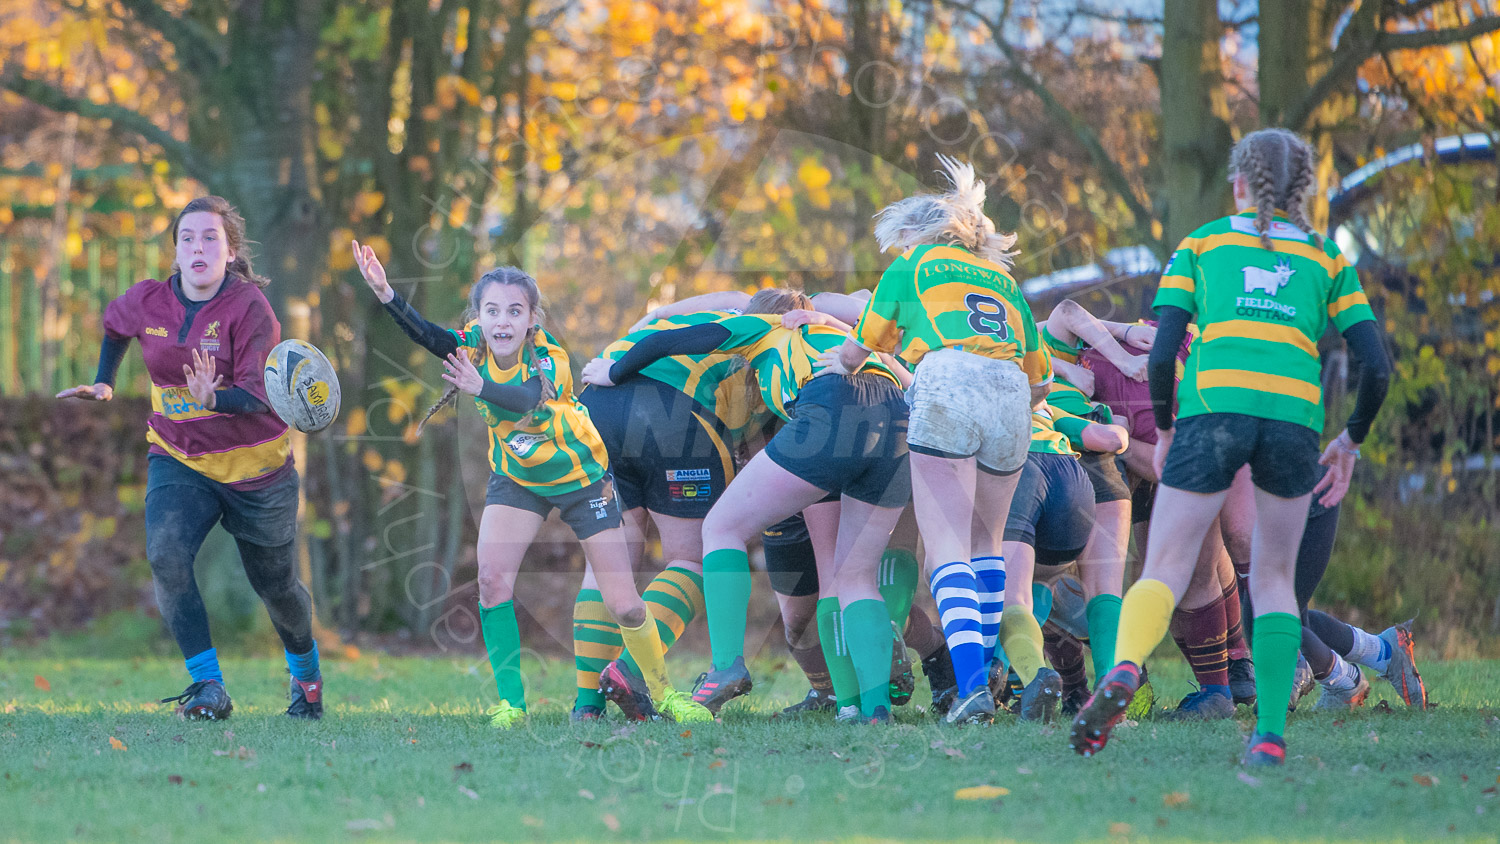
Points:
[[674, 598], [1278, 638], [867, 637], [596, 641], [898, 583], [502, 641], [840, 666], [1104, 625], [726, 596]]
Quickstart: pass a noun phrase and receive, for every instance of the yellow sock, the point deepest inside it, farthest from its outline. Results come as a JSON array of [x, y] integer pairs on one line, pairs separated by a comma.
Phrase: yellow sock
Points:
[[1144, 616], [644, 644], [1022, 639]]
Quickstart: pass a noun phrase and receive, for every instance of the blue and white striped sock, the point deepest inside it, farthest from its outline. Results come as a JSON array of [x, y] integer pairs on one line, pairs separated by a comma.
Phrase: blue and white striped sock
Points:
[[955, 588], [990, 573]]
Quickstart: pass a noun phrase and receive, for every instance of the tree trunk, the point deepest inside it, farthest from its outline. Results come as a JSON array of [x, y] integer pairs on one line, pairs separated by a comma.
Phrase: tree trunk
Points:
[[1195, 129]]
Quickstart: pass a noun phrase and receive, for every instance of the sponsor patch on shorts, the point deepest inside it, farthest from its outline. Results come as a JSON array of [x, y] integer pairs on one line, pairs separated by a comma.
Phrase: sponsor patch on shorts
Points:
[[689, 491], [688, 474]]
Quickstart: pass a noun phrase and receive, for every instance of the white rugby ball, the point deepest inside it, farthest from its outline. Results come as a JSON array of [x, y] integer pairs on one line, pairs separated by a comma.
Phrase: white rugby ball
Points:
[[302, 386]]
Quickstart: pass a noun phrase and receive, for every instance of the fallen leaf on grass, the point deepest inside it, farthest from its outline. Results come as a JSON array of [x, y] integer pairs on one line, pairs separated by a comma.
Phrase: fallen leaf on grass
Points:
[[1119, 829], [612, 822], [591, 744], [468, 792], [716, 764], [1491, 790], [1174, 799], [41, 683], [174, 779], [1253, 782], [687, 734], [462, 768], [116, 743], [585, 794], [241, 752], [533, 822], [981, 792], [1024, 771], [10, 707], [720, 751], [954, 753], [1427, 780]]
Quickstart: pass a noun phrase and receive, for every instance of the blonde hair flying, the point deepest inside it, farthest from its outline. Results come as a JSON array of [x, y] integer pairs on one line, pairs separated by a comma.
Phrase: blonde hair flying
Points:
[[953, 217]]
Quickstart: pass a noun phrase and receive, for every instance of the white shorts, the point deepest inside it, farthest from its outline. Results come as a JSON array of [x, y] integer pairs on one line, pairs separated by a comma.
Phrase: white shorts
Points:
[[965, 405]]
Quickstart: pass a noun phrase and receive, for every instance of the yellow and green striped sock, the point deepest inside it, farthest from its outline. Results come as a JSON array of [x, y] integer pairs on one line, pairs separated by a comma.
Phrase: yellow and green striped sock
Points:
[[596, 642], [675, 598]]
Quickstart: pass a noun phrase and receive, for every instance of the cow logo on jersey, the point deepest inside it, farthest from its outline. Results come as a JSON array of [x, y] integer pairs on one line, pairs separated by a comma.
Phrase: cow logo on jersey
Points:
[[987, 316], [524, 444], [210, 340], [1270, 281]]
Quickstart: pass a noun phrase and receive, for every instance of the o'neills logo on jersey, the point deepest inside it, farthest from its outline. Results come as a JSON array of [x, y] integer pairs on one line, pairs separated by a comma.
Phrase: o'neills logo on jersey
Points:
[[524, 444], [159, 331], [209, 342]]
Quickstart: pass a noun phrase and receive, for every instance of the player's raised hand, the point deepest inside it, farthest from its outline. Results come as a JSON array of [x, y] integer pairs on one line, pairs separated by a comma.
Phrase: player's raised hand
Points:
[[91, 392], [202, 378], [373, 272], [462, 373]]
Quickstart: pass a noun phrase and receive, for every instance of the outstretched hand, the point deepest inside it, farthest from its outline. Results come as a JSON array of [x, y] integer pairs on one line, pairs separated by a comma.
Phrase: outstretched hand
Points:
[[1142, 337], [202, 382], [462, 373], [91, 392], [373, 272]]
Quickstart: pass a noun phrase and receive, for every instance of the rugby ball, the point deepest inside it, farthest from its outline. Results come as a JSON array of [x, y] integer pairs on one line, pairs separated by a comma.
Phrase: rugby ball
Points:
[[302, 387]]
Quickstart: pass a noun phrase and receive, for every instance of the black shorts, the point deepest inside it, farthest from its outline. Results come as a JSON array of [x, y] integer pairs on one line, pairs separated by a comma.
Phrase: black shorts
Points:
[[790, 561], [1208, 449], [1141, 500], [847, 435], [667, 452], [587, 511], [1053, 508], [1107, 475]]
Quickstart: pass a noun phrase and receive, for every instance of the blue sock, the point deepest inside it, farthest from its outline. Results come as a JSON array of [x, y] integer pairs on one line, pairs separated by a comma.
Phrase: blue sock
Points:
[[954, 586], [990, 574], [1216, 689], [205, 666], [305, 666]]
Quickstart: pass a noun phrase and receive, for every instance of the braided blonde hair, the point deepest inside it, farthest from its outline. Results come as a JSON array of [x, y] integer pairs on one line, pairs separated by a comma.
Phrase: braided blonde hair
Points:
[[955, 217], [515, 277], [1279, 168]]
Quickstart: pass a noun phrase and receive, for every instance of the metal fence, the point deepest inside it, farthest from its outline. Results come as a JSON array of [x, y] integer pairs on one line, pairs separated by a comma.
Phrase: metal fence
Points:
[[94, 272]]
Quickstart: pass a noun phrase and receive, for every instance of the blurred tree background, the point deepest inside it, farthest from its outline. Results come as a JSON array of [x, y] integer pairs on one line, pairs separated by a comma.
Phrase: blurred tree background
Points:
[[630, 152]]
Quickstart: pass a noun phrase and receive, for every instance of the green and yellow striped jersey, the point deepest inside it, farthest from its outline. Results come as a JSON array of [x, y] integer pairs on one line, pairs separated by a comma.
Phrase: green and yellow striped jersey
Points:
[[715, 381], [1053, 431], [936, 297], [783, 359], [558, 451], [1260, 314]]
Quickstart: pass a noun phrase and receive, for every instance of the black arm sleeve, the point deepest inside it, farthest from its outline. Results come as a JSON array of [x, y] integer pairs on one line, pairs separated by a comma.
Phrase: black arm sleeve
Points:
[[430, 336], [1374, 377], [516, 398], [693, 340], [1161, 367], [111, 353], [237, 400]]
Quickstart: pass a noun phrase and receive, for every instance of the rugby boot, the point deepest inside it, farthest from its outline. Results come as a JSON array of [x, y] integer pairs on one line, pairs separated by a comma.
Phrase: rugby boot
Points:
[[721, 685], [1402, 670], [1092, 726], [204, 700]]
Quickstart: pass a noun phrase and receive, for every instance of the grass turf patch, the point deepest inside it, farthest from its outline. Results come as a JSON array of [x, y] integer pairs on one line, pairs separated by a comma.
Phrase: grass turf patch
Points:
[[406, 754]]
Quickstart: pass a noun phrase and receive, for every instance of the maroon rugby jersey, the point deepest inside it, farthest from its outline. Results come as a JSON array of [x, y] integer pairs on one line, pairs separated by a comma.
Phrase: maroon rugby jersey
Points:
[[1128, 399], [236, 327]]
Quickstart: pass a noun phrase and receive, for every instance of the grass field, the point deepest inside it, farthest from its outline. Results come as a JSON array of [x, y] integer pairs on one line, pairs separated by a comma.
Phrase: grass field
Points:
[[404, 754]]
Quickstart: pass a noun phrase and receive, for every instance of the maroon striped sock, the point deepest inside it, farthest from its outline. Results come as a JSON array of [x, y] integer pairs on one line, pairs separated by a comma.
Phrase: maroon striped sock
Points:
[[1199, 634]]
